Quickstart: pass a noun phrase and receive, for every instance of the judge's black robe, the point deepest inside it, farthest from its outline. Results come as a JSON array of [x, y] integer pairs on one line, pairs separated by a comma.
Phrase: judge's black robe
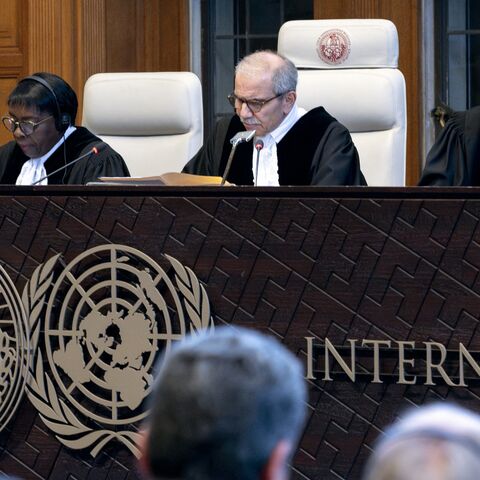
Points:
[[106, 163], [317, 150], [454, 159]]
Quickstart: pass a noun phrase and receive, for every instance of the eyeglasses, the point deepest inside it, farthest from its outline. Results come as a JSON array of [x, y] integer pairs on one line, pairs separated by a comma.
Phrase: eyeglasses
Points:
[[27, 127], [254, 105]]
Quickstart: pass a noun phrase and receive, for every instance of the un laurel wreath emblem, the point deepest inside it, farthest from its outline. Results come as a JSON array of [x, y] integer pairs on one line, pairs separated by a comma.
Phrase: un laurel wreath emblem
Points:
[[14, 348], [96, 328]]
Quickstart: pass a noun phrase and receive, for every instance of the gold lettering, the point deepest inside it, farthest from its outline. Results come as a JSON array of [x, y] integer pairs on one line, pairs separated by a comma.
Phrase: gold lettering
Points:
[[376, 356], [463, 352], [329, 348], [438, 366], [402, 361], [310, 375], [332, 355]]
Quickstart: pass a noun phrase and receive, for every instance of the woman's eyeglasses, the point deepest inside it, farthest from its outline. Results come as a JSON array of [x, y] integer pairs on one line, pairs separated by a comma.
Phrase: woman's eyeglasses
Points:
[[27, 127]]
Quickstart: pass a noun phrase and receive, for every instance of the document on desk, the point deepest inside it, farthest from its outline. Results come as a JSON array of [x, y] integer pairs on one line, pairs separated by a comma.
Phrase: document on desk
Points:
[[167, 179]]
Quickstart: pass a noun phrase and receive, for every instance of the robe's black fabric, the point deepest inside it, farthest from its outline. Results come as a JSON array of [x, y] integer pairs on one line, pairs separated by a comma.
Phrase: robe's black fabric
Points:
[[454, 159], [317, 150], [106, 163]]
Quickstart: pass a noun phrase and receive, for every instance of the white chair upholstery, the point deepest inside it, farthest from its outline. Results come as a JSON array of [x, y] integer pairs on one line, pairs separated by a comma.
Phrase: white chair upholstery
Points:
[[153, 119], [350, 68]]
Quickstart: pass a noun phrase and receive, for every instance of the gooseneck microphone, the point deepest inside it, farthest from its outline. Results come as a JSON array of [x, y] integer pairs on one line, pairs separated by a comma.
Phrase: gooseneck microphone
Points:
[[240, 137], [258, 147], [93, 151]]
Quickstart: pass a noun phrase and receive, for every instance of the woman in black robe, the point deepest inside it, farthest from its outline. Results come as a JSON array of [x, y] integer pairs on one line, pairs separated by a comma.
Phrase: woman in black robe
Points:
[[42, 111]]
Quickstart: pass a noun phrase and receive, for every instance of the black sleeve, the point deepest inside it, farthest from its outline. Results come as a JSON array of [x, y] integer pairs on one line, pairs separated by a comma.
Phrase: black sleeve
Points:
[[110, 165], [336, 159], [106, 163], [207, 160], [447, 161], [11, 161]]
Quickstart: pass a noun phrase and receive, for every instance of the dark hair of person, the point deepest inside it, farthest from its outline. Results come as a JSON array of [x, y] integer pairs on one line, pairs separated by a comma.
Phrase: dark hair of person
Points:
[[33, 94], [222, 402], [442, 114]]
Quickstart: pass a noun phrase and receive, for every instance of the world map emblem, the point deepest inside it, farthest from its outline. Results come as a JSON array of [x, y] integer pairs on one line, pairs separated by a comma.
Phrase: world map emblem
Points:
[[107, 316], [333, 46], [14, 348]]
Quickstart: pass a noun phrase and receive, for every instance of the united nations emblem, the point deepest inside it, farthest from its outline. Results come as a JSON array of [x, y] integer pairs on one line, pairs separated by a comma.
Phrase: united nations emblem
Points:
[[14, 348], [333, 46], [108, 314]]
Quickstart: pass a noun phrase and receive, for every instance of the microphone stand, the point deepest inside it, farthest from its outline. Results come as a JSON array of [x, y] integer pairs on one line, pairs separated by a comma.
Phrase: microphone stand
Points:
[[229, 163], [258, 147], [240, 137], [92, 151]]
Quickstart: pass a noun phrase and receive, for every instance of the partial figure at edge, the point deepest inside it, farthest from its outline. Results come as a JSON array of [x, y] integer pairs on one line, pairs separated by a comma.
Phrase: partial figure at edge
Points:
[[454, 159]]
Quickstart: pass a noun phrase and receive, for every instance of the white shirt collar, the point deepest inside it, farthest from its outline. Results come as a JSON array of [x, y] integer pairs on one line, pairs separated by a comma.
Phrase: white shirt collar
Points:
[[288, 122], [268, 160], [34, 169]]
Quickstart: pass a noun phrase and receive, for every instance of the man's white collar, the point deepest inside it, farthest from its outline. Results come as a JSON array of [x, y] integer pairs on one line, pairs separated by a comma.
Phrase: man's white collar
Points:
[[287, 123]]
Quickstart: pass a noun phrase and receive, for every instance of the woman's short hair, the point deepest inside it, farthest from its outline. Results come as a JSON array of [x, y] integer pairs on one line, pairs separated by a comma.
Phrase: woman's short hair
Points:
[[61, 103]]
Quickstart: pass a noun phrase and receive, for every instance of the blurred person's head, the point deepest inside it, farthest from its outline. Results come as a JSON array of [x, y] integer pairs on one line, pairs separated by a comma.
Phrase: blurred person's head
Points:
[[226, 405], [437, 442]]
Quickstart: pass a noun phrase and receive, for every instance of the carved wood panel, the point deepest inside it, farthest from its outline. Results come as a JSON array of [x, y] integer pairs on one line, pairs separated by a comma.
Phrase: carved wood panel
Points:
[[12, 51], [324, 263], [77, 38]]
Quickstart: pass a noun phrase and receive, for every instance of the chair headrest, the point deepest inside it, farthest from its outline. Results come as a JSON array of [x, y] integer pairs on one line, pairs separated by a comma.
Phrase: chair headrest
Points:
[[142, 104], [351, 43]]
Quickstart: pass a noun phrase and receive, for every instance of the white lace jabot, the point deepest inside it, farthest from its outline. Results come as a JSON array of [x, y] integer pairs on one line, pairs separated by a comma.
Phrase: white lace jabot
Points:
[[268, 160], [34, 169]]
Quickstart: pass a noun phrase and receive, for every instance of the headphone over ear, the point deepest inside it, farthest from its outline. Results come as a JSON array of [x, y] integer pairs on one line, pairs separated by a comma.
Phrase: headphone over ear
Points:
[[63, 120]]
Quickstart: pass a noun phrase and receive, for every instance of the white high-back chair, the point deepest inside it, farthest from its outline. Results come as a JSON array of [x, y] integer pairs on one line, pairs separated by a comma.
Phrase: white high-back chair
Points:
[[350, 68], [153, 119]]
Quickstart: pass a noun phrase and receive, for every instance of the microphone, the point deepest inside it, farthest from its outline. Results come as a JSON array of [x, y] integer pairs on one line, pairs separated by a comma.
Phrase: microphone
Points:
[[93, 151], [258, 147], [240, 137]]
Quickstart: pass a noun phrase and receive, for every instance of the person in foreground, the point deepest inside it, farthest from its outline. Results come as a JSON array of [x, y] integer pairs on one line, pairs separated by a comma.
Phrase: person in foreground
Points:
[[437, 442], [300, 148], [41, 116], [227, 405], [453, 159]]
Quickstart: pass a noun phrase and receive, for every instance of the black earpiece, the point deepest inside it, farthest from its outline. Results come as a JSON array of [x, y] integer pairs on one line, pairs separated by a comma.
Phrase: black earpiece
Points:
[[62, 120]]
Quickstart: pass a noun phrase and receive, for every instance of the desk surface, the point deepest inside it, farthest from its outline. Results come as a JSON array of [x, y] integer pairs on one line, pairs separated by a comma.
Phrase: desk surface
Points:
[[247, 191]]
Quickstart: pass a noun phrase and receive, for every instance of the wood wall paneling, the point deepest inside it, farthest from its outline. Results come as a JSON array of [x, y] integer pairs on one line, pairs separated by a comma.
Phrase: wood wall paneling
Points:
[[122, 31], [406, 15], [12, 52], [6, 86], [166, 35], [92, 38], [77, 38]]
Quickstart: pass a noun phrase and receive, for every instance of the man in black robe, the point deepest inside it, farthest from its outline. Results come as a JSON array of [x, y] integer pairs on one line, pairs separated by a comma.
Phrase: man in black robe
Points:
[[42, 111], [454, 159], [302, 148]]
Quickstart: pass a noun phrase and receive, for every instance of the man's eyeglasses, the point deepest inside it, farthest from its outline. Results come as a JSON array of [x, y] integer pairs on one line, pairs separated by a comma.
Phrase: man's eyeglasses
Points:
[[254, 105], [27, 127]]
